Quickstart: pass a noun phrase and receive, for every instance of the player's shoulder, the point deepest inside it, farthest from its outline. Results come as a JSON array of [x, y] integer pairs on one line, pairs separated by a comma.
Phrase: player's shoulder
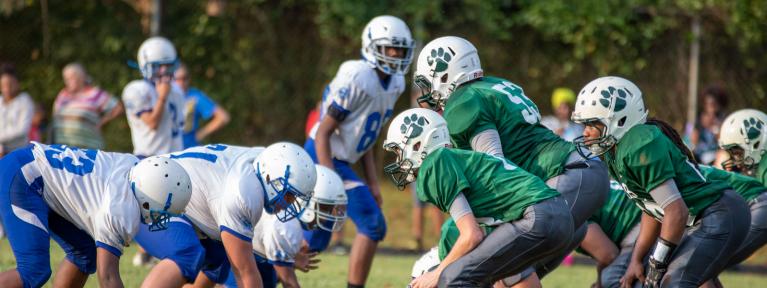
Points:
[[356, 72], [641, 137], [137, 87]]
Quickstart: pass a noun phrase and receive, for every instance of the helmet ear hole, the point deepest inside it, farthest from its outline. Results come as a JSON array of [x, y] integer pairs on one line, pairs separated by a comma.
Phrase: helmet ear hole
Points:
[[756, 145], [417, 146], [444, 78], [622, 121], [145, 205]]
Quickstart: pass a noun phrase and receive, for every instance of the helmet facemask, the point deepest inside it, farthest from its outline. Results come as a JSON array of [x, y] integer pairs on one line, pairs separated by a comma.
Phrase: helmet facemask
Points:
[[401, 171], [284, 203], [388, 64], [154, 71], [590, 148], [739, 161], [328, 216], [156, 219]]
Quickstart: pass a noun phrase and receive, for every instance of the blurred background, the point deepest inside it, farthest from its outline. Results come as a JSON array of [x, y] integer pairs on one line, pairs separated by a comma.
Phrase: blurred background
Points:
[[266, 62]]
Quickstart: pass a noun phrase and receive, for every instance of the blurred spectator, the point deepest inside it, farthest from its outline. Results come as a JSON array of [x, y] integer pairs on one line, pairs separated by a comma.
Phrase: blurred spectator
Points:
[[16, 111], [704, 135], [38, 124], [81, 109], [198, 106], [562, 102]]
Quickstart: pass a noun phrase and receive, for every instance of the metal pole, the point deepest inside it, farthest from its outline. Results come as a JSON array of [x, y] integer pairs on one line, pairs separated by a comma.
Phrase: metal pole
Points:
[[154, 27], [692, 87]]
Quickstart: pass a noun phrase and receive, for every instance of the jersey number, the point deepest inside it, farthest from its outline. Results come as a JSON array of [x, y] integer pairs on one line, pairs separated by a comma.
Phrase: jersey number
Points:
[[517, 96], [85, 159], [372, 127], [202, 155]]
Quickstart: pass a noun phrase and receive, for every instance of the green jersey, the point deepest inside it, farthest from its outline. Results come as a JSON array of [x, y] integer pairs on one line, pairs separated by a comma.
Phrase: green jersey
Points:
[[497, 191], [761, 171], [645, 158], [496, 104], [450, 234], [618, 216], [746, 186]]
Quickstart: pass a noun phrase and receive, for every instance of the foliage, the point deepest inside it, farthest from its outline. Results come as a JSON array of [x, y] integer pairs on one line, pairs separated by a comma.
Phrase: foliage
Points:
[[268, 61]]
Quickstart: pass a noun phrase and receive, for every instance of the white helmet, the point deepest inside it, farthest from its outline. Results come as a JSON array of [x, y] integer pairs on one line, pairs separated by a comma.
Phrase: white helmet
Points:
[[412, 135], [443, 65], [387, 31], [286, 173], [613, 101], [154, 52], [745, 129], [162, 188], [327, 208], [426, 263]]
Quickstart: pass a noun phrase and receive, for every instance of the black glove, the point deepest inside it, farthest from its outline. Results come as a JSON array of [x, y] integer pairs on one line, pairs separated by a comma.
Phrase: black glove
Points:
[[659, 261]]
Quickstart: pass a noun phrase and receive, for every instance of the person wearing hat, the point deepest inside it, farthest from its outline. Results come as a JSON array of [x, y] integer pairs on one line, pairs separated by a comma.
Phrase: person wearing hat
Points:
[[562, 102]]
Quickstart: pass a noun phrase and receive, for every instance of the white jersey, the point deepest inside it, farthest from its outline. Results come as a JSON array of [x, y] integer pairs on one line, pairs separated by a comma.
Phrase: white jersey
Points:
[[89, 188], [366, 104], [226, 193], [277, 241], [140, 97]]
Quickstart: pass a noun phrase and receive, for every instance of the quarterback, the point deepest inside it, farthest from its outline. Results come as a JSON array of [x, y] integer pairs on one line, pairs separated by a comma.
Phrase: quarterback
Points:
[[355, 106], [90, 202]]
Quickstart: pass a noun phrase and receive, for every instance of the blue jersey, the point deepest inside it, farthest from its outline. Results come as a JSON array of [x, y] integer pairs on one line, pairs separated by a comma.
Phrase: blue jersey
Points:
[[197, 107]]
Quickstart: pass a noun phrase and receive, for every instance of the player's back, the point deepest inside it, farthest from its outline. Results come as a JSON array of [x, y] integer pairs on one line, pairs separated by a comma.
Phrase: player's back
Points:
[[80, 184], [218, 173], [494, 103], [366, 103]]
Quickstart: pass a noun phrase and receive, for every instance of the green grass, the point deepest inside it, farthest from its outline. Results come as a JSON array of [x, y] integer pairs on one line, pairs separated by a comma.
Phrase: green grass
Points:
[[388, 270]]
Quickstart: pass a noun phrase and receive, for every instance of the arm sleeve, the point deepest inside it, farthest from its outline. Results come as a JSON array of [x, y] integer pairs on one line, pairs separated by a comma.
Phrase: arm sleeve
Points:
[[240, 210], [665, 193], [460, 207], [205, 105], [283, 242], [489, 142], [137, 98]]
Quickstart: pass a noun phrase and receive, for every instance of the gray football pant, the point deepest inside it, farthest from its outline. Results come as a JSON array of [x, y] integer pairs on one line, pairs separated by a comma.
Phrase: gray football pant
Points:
[[757, 233], [611, 275], [542, 231], [705, 249], [585, 185]]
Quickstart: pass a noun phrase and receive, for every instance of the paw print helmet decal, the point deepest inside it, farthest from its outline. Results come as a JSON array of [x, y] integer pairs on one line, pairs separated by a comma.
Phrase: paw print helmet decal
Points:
[[744, 136], [412, 135], [443, 65], [612, 101]]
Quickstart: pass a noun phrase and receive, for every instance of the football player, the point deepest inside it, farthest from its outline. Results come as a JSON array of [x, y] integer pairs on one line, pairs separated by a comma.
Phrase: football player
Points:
[[277, 245], [533, 221], [652, 163], [231, 187], [154, 104], [493, 115], [90, 202], [356, 105]]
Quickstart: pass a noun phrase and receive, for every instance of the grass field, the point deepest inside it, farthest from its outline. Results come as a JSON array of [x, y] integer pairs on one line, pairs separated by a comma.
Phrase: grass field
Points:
[[388, 270]]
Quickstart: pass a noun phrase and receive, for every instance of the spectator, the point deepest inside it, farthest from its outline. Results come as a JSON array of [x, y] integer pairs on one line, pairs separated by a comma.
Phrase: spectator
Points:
[[704, 135], [81, 109], [562, 102], [16, 111], [198, 107]]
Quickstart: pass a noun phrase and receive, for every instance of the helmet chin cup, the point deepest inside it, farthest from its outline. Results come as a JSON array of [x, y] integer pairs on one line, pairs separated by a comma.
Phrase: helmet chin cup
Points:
[[593, 148]]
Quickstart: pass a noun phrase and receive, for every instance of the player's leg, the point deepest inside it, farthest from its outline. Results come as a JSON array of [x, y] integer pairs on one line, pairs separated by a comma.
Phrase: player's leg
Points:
[[584, 184], [25, 217], [371, 229], [707, 246], [542, 231], [80, 251], [757, 233], [268, 274], [611, 275], [180, 252], [215, 267], [545, 267]]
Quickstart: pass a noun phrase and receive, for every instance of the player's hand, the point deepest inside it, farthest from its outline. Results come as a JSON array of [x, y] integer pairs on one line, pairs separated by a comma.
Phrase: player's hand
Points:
[[163, 89], [634, 272], [427, 280], [306, 261], [655, 273]]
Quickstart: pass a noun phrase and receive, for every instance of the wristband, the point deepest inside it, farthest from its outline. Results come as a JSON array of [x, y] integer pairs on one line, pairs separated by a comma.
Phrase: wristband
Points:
[[663, 250]]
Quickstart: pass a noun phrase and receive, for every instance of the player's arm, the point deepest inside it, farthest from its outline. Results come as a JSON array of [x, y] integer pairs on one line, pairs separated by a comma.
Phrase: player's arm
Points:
[[240, 253], [675, 211], [108, 268], [488, 141], [649, 229], [371, 175], [287, 276], [322, 139], [152, 118], [600, 247], [219, 119]]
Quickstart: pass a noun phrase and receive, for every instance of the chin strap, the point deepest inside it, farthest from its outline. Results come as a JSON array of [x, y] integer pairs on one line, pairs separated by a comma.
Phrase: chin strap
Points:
[[659, 261]]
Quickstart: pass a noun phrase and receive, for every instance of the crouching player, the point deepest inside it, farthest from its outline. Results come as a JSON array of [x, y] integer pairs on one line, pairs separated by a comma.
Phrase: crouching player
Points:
[[277, 245], [90, 202], [231, 186], [533, 221]]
